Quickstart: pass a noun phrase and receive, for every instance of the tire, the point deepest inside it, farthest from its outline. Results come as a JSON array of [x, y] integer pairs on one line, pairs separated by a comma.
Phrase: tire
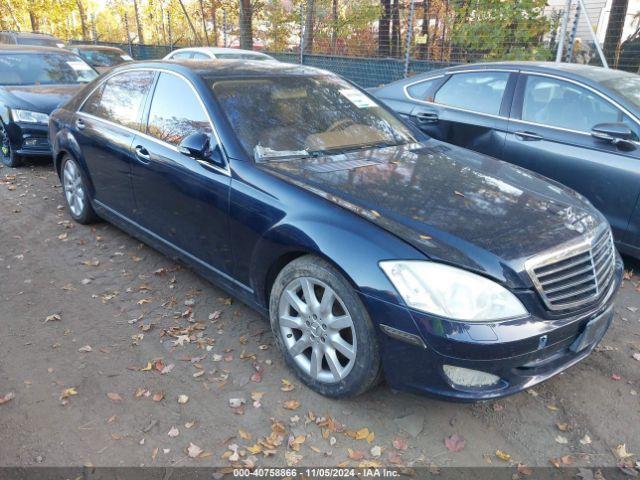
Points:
[[307, 336], [7, 153], [76, 193]]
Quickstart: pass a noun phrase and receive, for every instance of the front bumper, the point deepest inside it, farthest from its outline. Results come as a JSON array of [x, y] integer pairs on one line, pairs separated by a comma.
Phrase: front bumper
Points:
[[521, 353], [28, 139]]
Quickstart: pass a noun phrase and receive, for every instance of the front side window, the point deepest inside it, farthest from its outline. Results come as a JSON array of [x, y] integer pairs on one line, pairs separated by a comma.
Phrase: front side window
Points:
[[478, 91], [171, 120], [296, 115], [556, 103], [44, 69], [120, 98]]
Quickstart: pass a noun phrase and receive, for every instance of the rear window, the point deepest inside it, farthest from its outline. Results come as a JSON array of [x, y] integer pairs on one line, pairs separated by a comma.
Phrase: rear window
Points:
[[42, 42], [44, 69], [242, 56], [104, 58]]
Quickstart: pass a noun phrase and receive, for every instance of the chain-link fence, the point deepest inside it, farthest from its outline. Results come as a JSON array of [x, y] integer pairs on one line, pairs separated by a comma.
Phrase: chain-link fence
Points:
[[377, 41]]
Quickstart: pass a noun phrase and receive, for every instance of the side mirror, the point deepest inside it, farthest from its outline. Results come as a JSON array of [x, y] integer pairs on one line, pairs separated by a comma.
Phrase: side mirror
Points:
[[618, 134], [196, 145]]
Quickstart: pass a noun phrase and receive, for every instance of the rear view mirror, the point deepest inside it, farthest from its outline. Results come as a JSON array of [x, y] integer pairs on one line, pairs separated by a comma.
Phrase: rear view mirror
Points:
[[196, 145]]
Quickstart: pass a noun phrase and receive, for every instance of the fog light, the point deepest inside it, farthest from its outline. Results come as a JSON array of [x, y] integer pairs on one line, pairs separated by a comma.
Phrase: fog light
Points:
[[469, 378]]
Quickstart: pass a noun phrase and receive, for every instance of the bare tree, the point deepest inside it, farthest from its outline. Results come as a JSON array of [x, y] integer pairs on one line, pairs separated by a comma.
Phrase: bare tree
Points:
[[83, 20], [195, 33]]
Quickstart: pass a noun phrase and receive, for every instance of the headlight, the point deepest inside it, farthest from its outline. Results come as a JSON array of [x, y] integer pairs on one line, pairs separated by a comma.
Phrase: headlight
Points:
[[451, 292], [28, 116]]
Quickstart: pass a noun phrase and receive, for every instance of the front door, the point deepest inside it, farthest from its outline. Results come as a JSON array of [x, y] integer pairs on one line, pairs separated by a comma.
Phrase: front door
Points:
[[105, 128], [551, 135], [182, 201]]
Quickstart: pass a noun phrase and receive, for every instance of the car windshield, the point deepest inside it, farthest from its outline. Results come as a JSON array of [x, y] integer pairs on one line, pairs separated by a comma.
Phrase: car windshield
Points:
[[43, 69], [627, 86], [40, 41], [242, 56], [282, 117], [103, 58]]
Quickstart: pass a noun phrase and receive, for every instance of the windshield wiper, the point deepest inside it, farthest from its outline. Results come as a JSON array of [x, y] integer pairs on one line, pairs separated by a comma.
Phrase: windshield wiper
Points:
[[352, 148]]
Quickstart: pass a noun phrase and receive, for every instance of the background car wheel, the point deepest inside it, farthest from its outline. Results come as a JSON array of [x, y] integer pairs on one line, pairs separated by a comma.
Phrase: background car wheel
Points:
[[76, 193], [323, 330], [7, 154]]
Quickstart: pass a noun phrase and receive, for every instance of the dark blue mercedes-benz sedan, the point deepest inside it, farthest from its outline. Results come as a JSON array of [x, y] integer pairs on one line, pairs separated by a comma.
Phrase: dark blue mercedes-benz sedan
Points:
[[372, 248], [577, 124]]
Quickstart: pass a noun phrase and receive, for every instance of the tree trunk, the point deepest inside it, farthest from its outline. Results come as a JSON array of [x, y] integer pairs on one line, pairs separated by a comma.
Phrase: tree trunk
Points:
[[395, 29], [83, 20], [384, 25], [246, 25], [426, 17], [214, 22], [193, 29], [614, 31], [204, 24], [138, 23], [334, 26], [308, 27], [34, 21]]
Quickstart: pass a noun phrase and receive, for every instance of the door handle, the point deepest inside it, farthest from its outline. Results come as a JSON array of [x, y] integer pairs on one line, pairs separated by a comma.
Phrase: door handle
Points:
[[142, 154], [427, 117], [80, 124], [527, 136]]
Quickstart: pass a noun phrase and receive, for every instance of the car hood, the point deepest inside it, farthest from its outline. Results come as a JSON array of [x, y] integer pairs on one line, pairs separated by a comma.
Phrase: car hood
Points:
[[452, 204], [39, 98]]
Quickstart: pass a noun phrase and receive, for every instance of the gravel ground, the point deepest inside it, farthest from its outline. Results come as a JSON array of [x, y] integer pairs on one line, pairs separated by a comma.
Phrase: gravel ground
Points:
[[100, 336]]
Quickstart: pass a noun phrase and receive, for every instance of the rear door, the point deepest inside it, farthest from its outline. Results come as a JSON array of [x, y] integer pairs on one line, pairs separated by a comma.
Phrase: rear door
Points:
[[469, 109], [105, 127], [550, 133]]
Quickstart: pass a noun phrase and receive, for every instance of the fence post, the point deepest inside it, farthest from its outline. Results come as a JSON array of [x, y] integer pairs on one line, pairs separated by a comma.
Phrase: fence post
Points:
[[407, 53], [563, 32], [594, 37], [574, 32]]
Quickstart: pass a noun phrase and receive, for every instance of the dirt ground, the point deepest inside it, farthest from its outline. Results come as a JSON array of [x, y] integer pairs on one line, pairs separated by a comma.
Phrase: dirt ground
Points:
[[100, 336]]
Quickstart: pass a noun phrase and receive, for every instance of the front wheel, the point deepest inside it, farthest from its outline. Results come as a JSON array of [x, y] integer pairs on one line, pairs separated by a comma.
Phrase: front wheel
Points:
[[8, 156], [76, 192], [323, 330]]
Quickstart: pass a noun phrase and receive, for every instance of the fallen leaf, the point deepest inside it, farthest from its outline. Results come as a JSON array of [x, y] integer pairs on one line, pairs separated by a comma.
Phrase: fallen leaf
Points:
[[236, 402], [53, 318], [158, 396], [454, 443], [194, 450], [376, 451], [286, 385], [182, 399], [621, 453], [503, 455], [114, 397], [291, 404], [85, 349], [636, 356], [400, 443], [7, 398], [244, 435], [586, 440], [173, 432], [68, 392], [355, 454], [562, 440], [524, 470], [563, 427], [615, 377]]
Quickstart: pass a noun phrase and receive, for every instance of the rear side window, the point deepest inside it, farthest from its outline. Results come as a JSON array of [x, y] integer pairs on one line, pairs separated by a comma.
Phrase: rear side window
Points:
[[181, 55], [200, 56], [120, 98], [419, 91], [478, 91], [171, 121], [556, 103]]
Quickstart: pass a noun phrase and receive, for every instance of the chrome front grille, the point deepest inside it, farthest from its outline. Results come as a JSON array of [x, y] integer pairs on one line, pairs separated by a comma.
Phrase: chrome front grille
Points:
[[576, 274]]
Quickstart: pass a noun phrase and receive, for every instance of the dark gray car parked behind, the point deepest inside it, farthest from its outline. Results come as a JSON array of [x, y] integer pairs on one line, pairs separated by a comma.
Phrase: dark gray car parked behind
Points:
[[576, 124]]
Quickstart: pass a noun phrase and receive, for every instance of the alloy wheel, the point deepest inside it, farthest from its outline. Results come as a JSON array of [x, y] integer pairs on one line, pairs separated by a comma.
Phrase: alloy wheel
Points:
[[73, 187], [317, 329]]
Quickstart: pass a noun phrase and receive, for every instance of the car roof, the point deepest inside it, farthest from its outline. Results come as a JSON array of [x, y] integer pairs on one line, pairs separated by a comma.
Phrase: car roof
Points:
[[215, 50], [5, 48], [28, 34], [229, 68], [97, 47]]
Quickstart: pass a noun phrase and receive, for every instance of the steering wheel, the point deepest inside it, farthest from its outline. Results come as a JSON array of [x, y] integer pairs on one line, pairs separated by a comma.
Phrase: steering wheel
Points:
[[340, 124]]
